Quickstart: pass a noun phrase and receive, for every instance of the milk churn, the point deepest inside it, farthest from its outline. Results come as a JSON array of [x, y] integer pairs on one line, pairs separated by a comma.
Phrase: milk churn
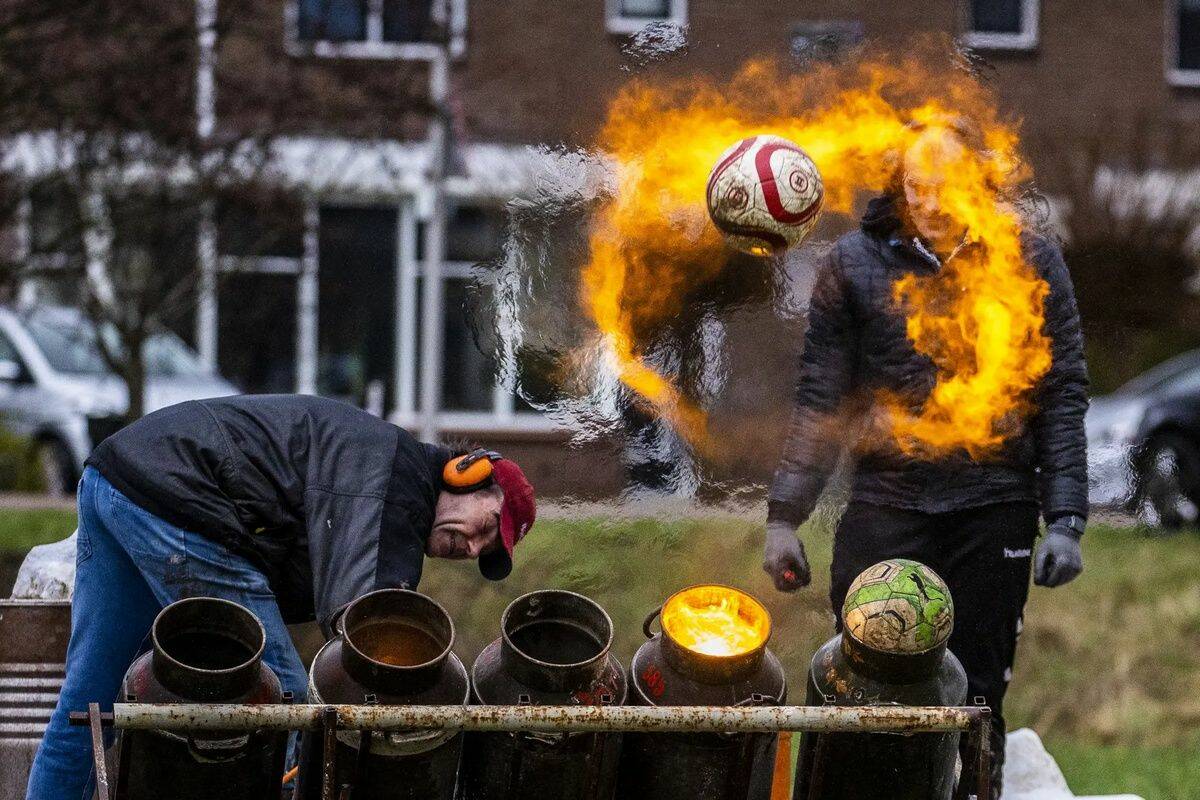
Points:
[[892, 651], [394, 648], [553, 650], [203, 650], [712, 651]]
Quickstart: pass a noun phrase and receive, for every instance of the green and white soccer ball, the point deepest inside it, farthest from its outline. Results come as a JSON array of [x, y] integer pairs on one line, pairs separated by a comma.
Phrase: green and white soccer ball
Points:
[[899, 606]]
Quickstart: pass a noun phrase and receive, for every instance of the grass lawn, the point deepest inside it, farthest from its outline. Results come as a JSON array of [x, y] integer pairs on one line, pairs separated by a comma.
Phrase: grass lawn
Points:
[[1108, 671], [21, 529]]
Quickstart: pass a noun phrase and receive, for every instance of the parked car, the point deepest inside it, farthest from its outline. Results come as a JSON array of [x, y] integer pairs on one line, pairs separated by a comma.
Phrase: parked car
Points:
[[57, 390], [1144, 444]]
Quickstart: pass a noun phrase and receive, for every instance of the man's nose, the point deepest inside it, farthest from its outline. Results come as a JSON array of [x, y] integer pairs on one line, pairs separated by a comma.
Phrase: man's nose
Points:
[[475, 546]]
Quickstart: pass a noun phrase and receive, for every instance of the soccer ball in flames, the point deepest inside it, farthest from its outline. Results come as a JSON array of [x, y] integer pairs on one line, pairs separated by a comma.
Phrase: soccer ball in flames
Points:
[[764, 195], [899, 606]]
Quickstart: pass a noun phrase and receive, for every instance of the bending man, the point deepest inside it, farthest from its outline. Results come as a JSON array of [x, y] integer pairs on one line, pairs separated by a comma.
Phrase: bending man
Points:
[[292, 506]]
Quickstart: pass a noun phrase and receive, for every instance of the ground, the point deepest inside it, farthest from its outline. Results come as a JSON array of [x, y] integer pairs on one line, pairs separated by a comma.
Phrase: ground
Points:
[[1108, 670]]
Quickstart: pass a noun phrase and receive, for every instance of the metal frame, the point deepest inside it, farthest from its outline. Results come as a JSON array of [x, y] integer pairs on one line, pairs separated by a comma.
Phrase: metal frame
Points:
[[1026, 39], [1176, 75], [451, 13], [617, 22], [975, 721], [410, 409]]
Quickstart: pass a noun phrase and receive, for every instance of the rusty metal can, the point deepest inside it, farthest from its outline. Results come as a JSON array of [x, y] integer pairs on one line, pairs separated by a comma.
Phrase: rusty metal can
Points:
[[669, 671], [203, 650], [553, 650], [841, 766], [893, 650], [393, 648]]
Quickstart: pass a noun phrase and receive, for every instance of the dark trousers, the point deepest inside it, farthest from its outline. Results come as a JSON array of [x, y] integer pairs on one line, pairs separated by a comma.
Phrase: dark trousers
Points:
[[984, 555]]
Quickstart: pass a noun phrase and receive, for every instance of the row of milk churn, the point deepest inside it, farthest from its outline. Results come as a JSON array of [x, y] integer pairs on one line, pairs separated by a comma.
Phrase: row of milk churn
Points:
[[394, 647]]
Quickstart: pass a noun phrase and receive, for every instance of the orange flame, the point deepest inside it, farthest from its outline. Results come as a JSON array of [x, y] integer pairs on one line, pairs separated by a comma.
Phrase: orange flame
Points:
[[716, 620], [979, 319]]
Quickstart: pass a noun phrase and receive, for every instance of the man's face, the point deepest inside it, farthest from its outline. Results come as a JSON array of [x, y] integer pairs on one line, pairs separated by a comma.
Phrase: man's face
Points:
[[926, 165], [465, 525]]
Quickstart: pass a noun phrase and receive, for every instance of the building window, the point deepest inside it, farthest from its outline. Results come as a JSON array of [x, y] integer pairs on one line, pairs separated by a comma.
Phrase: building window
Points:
[[356, 306], [256, 344], [1183, 45], [406, 21], [333, 20], [260, 232], [469, 377], [645, 9], [55, 237], [260, 261], [1002, 24], [407, 29], [630, 16], [477, 395], [474, 237]]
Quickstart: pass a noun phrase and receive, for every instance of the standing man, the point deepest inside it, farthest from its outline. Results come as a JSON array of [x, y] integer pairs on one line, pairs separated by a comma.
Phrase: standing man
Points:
[[974, 522], [292, 506]]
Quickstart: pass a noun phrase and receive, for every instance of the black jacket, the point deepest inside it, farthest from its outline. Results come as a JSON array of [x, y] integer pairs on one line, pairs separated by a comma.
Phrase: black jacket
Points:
[[856, 345], [328, 500]]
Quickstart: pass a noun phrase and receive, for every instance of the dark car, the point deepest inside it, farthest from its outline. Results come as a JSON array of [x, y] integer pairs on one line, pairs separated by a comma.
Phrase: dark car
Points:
[[1144, 444]]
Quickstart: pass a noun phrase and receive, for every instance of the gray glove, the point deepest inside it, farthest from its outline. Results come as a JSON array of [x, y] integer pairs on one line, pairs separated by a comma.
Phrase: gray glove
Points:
[[1059, 559], [784, 559]]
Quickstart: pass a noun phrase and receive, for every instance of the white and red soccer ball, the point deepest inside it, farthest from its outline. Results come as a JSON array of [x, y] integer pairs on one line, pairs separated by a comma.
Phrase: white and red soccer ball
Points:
[[764, 195]]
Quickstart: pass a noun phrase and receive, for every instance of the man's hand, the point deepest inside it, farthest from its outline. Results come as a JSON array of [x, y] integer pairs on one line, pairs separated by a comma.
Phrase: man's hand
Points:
[[1059, 559], [783, 558]]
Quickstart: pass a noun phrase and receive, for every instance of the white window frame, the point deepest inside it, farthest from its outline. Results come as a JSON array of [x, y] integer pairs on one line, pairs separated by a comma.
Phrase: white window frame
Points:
[[1027, 39], [213, 263], [450, 12], [33, 267], [1176, 75], [620, 23], [503, 416]]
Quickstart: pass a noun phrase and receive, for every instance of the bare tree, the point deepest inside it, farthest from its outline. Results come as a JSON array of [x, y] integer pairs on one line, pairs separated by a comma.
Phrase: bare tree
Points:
[[102, 111], [1132, 226]]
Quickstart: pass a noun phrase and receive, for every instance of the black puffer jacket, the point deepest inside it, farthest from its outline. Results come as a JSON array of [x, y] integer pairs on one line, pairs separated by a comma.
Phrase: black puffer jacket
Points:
[[856, 345], [327, 500]]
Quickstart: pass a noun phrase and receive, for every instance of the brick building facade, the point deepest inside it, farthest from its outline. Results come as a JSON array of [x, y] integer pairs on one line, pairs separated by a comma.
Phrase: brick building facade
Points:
[[339, 306]]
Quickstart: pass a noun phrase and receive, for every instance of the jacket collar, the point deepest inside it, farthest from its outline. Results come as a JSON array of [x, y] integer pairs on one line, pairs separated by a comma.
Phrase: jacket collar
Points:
[[906, 251]]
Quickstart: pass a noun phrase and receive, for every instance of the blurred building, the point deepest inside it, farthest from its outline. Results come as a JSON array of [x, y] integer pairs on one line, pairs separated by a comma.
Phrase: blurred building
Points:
[[338, 302]]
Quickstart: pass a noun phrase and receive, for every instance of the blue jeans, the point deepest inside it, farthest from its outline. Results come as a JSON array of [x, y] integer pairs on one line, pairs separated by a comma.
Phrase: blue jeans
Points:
[[129, 565]]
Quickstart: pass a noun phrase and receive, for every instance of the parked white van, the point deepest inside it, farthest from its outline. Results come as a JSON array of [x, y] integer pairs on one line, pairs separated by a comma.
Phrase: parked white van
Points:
[[57, 390]]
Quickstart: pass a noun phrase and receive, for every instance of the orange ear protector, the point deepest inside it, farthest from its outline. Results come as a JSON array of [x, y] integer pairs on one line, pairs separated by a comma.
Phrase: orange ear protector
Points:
[[471, 472]]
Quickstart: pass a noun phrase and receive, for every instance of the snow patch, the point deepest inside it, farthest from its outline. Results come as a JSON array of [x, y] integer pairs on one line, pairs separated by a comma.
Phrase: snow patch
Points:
[[48, 572], [1031, 773]]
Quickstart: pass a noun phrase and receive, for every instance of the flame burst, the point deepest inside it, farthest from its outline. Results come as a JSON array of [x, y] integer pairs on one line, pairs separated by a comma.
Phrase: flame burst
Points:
[[716, 620], [979, 319]]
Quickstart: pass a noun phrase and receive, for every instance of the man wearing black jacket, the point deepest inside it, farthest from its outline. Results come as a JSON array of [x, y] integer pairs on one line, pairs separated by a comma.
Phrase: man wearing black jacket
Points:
[[974, 522], [292, 506]]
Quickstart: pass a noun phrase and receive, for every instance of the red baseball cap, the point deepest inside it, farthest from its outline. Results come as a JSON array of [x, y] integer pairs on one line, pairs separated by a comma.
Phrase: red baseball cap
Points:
[[517, 513]]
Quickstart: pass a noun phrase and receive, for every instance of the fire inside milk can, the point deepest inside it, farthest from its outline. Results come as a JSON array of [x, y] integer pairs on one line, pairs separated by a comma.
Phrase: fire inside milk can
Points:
[[712, 651]]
